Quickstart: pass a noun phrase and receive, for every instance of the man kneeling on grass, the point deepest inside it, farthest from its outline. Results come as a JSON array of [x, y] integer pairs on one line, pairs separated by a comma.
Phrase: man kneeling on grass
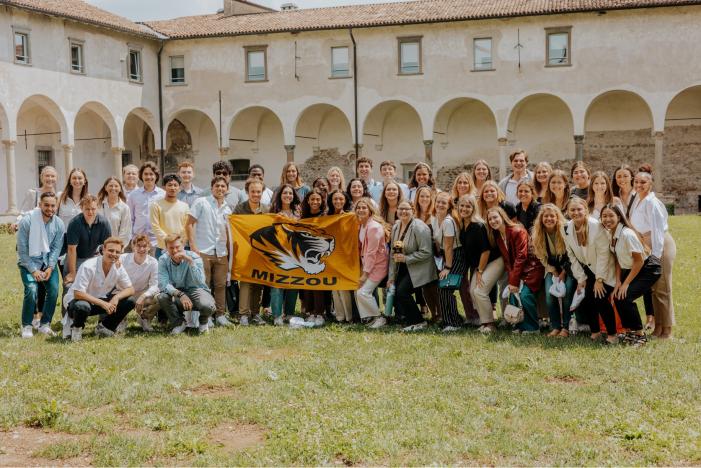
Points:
[[143, 273], [102, 286], [183, 287]]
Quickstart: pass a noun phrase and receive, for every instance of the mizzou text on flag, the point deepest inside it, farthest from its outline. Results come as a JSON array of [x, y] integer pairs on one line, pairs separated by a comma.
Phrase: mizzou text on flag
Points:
[[314, 253]]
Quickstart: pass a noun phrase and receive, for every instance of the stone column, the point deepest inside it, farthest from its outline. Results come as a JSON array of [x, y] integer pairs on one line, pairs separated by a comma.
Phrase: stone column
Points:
[[659, 161], [68, 158], [502, 157], [223, 152], [117, 161], [428, 148], [290, 149], [11, 176], [579, 147]]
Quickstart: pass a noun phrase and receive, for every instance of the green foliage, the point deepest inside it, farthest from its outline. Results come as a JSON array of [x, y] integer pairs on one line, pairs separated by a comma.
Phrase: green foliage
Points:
[[46, 415]]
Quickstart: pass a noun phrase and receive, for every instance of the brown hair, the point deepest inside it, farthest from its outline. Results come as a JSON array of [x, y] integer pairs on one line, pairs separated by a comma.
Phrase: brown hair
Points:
[[87, 199], [538, 186], [153, 167], [417, 208], [549, 196], [186, 163], [283, 177], [113, 240], [431, 182], [504, 218], [516, 153], [608, 195], [68, 191], [362, 159], [253, 181], [140, 238], [102, 194]]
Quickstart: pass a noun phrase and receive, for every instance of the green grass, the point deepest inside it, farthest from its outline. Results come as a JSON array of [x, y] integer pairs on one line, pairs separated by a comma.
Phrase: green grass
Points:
[[351, 396]]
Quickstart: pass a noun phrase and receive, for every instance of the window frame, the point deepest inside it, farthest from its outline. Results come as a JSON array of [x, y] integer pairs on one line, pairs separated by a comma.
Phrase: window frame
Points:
[[348, 71], [252, 49], [475, 68], [138, 49], [558, 30], [408, 40], [170, 67], [239, 176], [26, 32], [51, 161], [79, 43]]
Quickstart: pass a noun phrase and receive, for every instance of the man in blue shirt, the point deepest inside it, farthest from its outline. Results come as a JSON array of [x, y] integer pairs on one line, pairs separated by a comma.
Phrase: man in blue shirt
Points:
[[39, 243], [183, 286]]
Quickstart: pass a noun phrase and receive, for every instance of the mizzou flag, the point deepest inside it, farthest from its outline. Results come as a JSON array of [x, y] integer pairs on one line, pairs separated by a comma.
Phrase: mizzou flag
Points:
[[314, 253]]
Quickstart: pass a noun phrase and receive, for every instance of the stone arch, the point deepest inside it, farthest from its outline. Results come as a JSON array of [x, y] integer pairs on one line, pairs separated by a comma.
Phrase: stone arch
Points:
[[682, 148], [191, 134], [43, 137], [256, 134], [464, 130], [95, 134], [618, 129], [393, 130], [543, 125], [140, 136], [323, 138]]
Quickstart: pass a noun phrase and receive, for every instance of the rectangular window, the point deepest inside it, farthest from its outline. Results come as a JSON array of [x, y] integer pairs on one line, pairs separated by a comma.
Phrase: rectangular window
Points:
[[340, 66], [558, 47], [408, 171], [482, 48], [45, 157], [77, 57], [409, 55], [126, 158], [22, 47], [177, 69], [135, 65], [241, 167], [256, 63]]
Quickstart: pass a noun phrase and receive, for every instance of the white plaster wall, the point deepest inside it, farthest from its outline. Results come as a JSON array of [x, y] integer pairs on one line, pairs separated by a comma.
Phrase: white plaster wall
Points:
[[464, 131], [618, 111], [543, 126]]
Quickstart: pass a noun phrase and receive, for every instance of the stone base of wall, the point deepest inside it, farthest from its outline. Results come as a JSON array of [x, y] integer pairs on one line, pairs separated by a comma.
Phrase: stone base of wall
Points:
[[319, 164]]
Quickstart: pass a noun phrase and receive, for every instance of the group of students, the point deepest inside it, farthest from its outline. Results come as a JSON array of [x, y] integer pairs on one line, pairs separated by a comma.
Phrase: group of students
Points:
[[539, 241]]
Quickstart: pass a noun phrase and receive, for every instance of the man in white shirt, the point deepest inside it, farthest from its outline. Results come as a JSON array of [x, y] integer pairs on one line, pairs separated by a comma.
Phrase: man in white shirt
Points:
[[207, 230], [102, 286], [143, 273], [519, 172]]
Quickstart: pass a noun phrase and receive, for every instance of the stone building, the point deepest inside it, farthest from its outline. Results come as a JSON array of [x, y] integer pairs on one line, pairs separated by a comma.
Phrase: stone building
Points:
[[448, 81]]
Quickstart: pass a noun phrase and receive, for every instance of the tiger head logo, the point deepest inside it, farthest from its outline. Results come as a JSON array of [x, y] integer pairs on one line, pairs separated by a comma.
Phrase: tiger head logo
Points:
[[291, 246]]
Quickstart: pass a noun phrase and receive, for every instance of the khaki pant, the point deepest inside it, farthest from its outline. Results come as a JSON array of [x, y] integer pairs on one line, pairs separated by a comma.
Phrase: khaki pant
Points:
[[249, 298], [343, 305], [480, 294], [215, 270], [662, 290]]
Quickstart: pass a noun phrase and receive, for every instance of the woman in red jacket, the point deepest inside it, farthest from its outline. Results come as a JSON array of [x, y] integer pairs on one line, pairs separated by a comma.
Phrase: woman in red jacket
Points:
[[512, 240]]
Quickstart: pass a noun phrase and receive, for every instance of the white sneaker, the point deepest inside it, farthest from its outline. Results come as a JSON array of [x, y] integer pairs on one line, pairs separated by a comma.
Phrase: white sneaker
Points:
[[179, 329], [203, 329], [195, 319], [319, 321], [485, 330], [67, 326], [210, 322], [27, 331], [258, 320], [36, 323], [222, 321], [379, 322], [450, 329], [416, 327], [46, 330], [122, 327], [76, 334], [145, 325], [243, 320], [278, 322], [188, 318], [103, 331], [583, 328]]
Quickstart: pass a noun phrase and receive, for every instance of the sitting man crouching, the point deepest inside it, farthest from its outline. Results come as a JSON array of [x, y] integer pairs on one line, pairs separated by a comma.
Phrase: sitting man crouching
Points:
[[183, 286], [102, 286], [143, 273]]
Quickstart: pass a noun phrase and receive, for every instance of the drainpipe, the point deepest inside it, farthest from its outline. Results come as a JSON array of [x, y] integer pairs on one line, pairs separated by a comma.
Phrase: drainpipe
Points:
[[162, 157], [355, 95]]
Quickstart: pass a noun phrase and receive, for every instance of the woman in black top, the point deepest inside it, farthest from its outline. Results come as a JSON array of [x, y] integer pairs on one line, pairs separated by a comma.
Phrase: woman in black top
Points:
[[528, 208]]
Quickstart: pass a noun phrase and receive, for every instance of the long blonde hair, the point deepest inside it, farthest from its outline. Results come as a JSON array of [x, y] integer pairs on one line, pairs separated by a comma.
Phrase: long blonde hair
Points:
[[342, 184], [539, 235], [475, 217], [505, 219], [480, 200], [585, 229], [549, 196], [418, 212], [454, 188], [283, 177]]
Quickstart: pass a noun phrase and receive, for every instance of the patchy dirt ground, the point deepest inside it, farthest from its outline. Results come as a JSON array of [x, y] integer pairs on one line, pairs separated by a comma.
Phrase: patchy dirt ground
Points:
[[18, 445], [234, 437]]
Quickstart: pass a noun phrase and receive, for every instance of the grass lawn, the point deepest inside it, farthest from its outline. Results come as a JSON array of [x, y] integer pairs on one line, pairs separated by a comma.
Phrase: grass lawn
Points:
[[273, 396]]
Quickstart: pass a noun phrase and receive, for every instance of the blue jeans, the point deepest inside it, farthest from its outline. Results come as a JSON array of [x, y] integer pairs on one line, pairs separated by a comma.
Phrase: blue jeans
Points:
[[31, 292], [283, 298], [556, 321], [529, 301]]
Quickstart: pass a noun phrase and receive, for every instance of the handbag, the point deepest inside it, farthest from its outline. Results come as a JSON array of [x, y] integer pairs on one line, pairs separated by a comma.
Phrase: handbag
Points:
[[452, 281], [513, 314]]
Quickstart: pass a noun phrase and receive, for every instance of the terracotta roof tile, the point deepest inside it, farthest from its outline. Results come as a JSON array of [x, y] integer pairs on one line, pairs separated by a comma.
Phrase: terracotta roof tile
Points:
[[385, 14], [80, 11]]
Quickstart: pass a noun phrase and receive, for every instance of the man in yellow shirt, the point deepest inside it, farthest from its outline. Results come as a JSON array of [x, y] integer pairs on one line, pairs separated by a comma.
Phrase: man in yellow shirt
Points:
[[168, 215]]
